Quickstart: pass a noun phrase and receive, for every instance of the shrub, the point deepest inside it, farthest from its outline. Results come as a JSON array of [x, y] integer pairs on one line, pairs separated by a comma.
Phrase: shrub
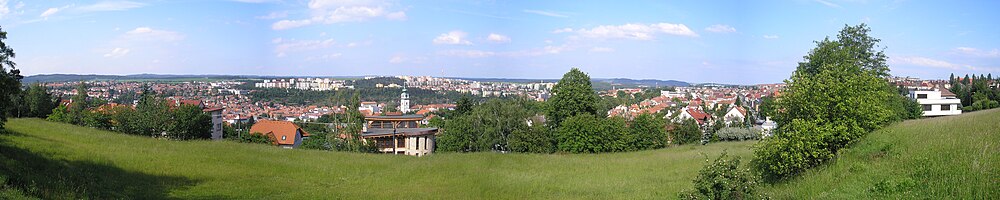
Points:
[[533, 140], [647, 133], [686, 132], [255, 138], [737, 134], [790, 152], [723, 179]]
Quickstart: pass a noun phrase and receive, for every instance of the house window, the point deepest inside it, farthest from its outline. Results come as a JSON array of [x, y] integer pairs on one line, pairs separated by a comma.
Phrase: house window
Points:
[[946, 107], [282, 137], [921, 96], [927, 107]]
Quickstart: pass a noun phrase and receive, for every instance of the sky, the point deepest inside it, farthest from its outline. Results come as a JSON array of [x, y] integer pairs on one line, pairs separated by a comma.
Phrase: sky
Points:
[[735, 42]]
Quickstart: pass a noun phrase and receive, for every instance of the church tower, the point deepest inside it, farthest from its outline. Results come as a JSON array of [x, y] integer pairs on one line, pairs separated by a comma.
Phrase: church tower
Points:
[[404, 101]]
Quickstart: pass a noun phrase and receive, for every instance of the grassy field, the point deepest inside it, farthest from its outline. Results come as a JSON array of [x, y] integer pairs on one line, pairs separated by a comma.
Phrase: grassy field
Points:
[[56, 160], [955, 157], [937, 158]]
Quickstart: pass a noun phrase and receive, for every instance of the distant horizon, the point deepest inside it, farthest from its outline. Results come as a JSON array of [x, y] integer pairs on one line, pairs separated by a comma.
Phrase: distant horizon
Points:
[[457, 77]]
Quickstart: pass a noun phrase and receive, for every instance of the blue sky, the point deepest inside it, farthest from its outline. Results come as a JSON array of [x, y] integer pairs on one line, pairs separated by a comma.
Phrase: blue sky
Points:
[[742, 42]]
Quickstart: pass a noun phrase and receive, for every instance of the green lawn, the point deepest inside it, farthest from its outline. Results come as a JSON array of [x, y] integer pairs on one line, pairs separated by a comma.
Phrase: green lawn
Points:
[[56, 160], [955, 157]]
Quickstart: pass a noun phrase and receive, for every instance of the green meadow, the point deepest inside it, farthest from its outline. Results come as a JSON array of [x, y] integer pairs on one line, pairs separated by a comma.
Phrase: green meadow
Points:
[[63, 161], [946, 157]]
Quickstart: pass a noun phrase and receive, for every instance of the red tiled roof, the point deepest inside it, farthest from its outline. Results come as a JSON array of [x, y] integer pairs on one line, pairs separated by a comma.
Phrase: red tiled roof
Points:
[[277, 129]]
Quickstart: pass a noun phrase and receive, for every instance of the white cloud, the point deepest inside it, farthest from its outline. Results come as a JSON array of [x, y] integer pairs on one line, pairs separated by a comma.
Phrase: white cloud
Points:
[[284, 46], [721, 28], [4, 9], [827, 3], [49, 12], [117, 52], [563, 30], [338, 11], [146, 33], [274, 15], [601, 49], [453, 37], [923, 61], [497, 38], [255, 1], [521, 53], [287, 24], [545, 13], [969, 51], [110, 6], [324, 57], [770, 36], [397, 59], [399, 16], [469, 53], [635, 31]]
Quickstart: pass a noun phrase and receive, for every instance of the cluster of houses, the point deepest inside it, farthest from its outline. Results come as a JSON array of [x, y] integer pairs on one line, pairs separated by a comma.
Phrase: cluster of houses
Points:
[[397, 133]]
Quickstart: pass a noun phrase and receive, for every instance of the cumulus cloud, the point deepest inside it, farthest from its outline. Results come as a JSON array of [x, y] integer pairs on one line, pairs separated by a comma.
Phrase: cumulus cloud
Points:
[[632, 31], [923, 61], [497, 38], [721, 28], [453, 37], [116, 52], [338, 11]]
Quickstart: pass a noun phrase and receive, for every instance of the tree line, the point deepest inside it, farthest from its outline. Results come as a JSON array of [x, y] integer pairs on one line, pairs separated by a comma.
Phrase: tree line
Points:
[[572, 121], [976, 93], [152, 116]]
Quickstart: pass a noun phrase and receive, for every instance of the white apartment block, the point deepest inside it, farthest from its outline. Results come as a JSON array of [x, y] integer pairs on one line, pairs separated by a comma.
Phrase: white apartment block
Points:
[[937, 101]]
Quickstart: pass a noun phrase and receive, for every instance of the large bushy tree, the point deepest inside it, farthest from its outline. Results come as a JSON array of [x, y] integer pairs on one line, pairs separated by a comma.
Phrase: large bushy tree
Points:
[[38, 101], [839, 93], [190, 122], [491, 126], [647, 132], [10, 79], [572, 96]]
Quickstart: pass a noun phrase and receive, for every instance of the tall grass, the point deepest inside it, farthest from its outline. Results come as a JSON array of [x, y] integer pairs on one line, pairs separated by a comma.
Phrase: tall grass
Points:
[[954, 157], [146, 168]]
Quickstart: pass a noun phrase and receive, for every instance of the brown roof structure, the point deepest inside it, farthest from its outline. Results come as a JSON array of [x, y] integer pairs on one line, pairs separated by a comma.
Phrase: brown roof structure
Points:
[[276, 129]]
